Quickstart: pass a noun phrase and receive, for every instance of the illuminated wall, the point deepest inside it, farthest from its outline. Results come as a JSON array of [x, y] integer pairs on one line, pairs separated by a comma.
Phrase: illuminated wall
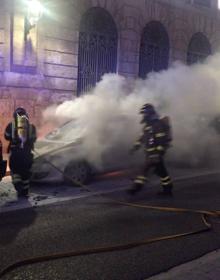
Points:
[[43, 69]]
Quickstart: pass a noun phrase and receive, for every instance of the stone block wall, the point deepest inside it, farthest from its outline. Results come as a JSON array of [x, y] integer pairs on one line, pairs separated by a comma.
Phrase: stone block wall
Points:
[[44, 70]]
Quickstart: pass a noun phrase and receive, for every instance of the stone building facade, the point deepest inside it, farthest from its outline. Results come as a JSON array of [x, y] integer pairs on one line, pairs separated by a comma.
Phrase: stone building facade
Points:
[[76, 41]]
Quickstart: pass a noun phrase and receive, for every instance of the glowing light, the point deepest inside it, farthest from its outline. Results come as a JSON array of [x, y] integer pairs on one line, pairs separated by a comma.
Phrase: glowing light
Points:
[[34, 11]]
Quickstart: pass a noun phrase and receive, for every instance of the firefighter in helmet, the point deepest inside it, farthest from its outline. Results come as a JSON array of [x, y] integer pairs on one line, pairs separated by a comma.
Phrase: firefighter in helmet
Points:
[[21, 135], [155, 139]]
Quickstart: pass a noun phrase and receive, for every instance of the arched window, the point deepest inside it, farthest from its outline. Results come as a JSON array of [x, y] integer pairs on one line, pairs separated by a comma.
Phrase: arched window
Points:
[[154, 49], [98, 41], [199, 48]]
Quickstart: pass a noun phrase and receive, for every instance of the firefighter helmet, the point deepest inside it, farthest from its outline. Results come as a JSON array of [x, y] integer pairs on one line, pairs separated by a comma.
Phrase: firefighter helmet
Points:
[[147, 109], [20, 111]]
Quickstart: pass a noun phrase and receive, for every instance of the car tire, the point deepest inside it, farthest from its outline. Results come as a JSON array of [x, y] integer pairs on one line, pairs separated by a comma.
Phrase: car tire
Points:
[[77, 172]]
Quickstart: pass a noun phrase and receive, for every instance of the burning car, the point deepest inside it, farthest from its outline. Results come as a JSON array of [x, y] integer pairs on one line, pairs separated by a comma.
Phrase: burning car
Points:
[[61, 156]]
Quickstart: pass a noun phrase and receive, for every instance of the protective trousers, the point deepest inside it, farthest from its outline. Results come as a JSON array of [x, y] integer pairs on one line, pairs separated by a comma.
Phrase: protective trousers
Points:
[[160, 170], [20, 165]]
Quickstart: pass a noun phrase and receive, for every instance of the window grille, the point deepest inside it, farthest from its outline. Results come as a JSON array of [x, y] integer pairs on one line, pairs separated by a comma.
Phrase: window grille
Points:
[[154, 49], [199, 48], [98, 41]]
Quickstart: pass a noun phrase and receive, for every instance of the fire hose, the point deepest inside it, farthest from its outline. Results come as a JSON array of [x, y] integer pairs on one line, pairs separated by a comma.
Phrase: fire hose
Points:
[[38, 259]]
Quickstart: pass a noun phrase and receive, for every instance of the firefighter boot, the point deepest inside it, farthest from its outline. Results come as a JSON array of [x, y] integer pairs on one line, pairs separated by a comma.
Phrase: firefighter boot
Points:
[[23, 193], [135, 188]]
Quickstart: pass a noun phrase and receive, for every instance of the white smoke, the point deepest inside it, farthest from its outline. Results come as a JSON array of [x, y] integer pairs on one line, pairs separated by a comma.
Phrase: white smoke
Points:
[[190, 96]]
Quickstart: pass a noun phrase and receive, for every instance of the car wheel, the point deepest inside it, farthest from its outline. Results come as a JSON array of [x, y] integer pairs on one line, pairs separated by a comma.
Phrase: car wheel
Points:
[[77, 172]]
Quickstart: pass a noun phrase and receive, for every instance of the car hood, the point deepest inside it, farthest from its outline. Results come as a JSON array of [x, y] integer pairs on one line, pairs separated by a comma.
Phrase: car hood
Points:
[[44, 146], [69, 134]]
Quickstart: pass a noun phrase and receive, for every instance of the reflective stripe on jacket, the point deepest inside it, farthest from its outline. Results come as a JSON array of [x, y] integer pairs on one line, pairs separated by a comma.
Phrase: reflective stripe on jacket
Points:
[[153, 138]]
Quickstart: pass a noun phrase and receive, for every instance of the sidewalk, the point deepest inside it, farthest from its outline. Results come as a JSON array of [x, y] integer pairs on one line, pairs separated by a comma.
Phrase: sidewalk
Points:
[[204, 268]]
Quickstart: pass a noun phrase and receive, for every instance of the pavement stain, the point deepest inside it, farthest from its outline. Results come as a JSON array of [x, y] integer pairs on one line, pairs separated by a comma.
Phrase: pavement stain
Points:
[[40, 197]]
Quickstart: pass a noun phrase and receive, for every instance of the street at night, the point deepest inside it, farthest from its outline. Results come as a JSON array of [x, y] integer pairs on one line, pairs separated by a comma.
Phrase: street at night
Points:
[[99, 221], [109, 140]]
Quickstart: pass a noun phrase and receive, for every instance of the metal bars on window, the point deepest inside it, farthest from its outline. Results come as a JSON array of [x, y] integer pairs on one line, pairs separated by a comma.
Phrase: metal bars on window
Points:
[[199, 49], [97, 48], [154, 49]]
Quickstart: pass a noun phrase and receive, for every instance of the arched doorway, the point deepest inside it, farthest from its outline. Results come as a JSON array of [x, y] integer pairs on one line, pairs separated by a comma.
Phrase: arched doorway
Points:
[[98, 40], [199, 48], [154, 49]]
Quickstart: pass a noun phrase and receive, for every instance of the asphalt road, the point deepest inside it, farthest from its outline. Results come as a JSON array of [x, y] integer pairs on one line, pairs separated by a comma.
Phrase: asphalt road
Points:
[[96, 221]]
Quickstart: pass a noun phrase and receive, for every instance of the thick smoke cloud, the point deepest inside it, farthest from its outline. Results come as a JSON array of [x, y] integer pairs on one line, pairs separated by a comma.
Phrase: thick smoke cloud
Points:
[[108, 114]]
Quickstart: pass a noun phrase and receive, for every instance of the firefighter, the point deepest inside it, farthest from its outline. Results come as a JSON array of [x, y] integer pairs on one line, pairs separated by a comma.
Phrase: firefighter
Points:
[[21, 135], [155, 139], [3, 163]]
